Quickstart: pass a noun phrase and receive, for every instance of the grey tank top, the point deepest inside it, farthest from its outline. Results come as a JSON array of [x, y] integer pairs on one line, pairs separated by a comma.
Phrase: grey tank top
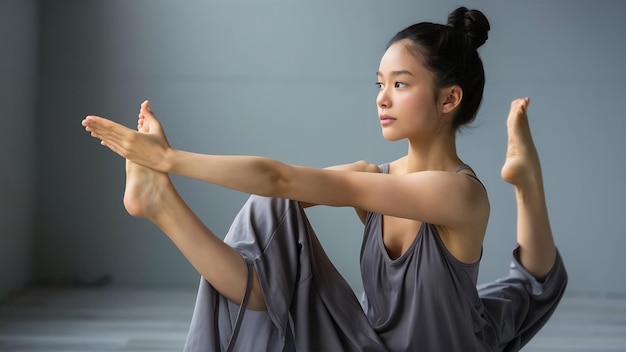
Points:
[[425, 300]]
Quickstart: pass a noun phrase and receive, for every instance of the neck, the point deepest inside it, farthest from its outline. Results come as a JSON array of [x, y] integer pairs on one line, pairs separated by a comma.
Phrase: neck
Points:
[[434, 154]]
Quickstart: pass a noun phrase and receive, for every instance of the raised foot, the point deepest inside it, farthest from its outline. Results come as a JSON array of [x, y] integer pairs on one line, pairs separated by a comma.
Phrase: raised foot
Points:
[[521, 166], [145, 191]]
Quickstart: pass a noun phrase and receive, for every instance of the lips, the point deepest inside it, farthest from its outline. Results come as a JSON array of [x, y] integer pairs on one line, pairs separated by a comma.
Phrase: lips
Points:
[[386, 120]]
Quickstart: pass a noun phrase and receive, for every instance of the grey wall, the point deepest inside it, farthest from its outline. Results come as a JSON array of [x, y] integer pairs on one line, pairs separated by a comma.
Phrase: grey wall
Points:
[[293, 80], [18, 43]]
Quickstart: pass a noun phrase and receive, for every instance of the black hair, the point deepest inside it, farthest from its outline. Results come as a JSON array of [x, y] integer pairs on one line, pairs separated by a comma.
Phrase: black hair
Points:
[[450, 53]]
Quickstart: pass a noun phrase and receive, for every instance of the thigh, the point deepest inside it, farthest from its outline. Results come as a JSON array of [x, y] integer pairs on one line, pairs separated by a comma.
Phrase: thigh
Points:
[[304, 293]]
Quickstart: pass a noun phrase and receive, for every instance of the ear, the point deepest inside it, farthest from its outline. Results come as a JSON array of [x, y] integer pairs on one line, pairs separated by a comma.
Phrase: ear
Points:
[[452, 98]]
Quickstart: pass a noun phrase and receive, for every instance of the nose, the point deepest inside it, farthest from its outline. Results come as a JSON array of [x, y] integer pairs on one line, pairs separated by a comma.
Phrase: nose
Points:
[[382, 99]]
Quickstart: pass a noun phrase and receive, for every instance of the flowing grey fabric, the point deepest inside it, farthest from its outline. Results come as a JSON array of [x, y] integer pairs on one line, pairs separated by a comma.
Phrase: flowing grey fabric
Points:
[[310, 307], [426, 300]]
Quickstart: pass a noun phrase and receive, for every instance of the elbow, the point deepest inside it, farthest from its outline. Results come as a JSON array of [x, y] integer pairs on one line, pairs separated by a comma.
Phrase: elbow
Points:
[[279, 178]]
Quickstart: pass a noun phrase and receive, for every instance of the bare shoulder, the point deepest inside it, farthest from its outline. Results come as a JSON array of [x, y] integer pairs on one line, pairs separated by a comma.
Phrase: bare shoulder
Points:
[[464, 240], [475, 197], [437, 197]]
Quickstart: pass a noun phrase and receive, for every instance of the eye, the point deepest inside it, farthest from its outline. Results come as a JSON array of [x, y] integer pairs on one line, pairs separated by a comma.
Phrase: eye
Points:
[[379, 85], [399, 85]]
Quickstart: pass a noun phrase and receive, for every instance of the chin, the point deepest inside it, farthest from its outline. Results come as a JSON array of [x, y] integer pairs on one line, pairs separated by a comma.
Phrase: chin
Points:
[[392, 137]]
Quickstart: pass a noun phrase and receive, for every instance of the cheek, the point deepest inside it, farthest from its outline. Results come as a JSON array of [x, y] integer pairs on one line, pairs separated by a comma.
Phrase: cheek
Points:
[[414, 103]]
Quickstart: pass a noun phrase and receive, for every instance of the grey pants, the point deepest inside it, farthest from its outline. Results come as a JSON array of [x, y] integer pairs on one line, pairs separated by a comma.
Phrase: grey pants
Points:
[[275, 237], [310, 307]]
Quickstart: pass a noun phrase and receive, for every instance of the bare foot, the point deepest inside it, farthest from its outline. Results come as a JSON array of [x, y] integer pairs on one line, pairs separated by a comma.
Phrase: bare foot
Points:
[[145, 188], [521, 166]]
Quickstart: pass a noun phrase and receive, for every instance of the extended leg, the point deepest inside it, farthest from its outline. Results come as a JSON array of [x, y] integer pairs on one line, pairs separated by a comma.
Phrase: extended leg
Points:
[[537, 252], [519, 305], [151, 195]]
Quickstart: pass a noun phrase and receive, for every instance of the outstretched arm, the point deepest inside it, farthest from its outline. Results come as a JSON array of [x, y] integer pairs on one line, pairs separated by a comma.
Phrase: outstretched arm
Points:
[[432, 196]]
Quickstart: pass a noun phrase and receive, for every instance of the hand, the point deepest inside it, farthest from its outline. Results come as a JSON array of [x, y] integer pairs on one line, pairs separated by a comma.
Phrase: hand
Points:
[[148, 148]]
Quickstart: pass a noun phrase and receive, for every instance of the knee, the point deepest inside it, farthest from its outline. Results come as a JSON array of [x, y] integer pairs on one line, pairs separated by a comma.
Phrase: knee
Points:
[[271, 203]]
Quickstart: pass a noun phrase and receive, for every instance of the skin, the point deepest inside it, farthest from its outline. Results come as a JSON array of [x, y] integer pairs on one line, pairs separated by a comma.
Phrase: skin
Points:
[[522, 169], [420, 186]]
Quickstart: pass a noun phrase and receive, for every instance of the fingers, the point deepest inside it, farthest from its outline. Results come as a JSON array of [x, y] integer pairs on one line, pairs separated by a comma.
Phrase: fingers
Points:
[[96, 125], [115, 147], [109, 132], [93, 124]]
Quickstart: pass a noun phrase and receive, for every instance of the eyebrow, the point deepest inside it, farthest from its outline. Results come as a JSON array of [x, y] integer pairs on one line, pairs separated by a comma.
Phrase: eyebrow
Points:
[[397, 73]]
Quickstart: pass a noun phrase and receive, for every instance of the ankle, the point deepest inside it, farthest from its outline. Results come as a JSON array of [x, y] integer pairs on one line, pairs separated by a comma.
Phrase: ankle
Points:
[[161, 213], [530, 188]]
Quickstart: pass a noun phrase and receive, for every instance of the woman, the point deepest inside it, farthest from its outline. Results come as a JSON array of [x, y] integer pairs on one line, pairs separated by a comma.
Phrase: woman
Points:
[[425, 217]]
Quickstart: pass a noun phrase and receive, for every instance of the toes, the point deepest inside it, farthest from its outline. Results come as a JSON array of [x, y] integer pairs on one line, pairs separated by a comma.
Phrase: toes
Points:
[[518, 108], [145, 112], [145, 106]]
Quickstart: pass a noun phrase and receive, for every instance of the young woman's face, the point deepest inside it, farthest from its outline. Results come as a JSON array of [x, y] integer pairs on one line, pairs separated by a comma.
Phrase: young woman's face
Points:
[[407, 106]]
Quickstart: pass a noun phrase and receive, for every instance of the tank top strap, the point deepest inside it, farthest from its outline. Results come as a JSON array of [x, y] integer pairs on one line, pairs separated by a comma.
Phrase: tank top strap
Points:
[[462, 167], [467, 167], [384, 168]]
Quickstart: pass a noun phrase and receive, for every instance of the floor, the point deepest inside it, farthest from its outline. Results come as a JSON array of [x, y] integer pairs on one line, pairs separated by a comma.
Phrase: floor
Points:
[[68, 320]]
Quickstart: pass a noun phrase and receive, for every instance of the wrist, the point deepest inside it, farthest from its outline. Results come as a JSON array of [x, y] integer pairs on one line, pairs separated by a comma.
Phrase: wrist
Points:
[[167, 162]]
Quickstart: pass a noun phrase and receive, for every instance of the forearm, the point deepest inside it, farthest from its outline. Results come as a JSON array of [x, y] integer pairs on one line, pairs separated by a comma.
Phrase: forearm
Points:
[[248, 174]]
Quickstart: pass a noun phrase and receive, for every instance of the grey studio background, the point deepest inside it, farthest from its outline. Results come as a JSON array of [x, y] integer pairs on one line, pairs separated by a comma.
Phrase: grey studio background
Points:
[[291, 80]]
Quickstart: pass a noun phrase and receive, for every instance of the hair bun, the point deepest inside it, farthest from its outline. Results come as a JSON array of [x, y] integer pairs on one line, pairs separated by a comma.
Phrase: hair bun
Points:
[[472, 22]]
